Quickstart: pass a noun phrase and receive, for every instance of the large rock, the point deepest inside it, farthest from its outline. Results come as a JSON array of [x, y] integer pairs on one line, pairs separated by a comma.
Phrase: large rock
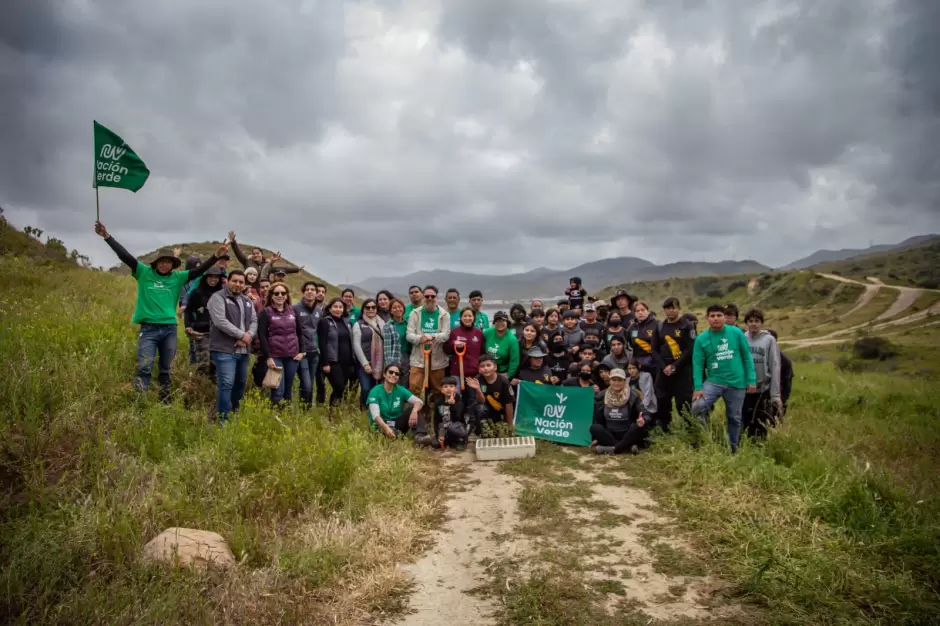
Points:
[[188, 546]]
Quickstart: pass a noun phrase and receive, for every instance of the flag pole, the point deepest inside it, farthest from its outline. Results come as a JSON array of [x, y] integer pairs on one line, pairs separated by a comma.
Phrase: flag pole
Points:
[[97, 205]]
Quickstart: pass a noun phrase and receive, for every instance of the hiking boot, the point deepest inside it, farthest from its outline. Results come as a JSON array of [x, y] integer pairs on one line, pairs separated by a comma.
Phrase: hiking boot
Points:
[[604, 449], [424, 440], [634, 450], [460, 447]]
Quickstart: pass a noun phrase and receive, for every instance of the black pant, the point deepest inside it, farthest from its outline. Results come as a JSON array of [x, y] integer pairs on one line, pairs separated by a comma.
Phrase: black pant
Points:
[[402, 426], [258, 370], [622, 441], [677, 387], [340, 375], [756, 414], [320, 382]]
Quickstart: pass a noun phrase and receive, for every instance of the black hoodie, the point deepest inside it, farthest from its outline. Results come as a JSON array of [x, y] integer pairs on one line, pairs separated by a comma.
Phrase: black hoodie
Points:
[[196, 315]]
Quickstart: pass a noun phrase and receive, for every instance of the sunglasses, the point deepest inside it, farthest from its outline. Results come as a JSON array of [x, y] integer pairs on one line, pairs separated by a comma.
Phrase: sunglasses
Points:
[[279, 293], [393, 372], [369, 308], [429, 296]]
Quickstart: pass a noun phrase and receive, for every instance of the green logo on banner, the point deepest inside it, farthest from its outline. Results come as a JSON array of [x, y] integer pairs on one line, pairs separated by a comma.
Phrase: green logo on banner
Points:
[[116, 165], [562, 414]]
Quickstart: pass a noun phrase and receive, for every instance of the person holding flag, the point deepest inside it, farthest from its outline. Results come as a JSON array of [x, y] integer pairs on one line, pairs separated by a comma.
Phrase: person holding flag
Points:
[[158, 291]]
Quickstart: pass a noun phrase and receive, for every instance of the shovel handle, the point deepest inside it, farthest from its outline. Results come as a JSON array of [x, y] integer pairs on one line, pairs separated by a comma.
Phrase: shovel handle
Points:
[[427, 365]]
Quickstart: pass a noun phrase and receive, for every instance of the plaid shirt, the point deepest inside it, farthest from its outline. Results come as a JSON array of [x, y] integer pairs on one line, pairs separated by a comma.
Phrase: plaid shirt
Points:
[[391, 343]]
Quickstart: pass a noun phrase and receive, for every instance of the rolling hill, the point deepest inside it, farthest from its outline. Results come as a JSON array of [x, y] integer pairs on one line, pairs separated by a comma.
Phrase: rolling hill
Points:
[[546, 283], [916, 265], [207, 248], [829, 256]]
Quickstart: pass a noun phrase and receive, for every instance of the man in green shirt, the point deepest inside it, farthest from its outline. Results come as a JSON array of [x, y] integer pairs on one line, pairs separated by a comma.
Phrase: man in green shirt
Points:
[[476, 303], [502, 345], [724, 354], [349, 299], [452, 300], [416, 300], [158, 292]]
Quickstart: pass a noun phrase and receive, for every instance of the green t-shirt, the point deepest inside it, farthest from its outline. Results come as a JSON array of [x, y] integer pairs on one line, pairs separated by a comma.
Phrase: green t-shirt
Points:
[[354, 314], [157, 296], [429, 321], [391, 403], [402, 329], [726, 356], [481, 321], [455, 319], [408, 309]]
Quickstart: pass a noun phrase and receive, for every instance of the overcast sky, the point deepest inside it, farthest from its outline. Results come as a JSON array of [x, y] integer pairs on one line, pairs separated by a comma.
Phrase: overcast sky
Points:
[[479, 135]]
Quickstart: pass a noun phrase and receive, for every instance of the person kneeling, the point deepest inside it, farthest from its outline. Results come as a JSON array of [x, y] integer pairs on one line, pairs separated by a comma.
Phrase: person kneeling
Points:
[[386, 405], [451, 426], [493, 396], [619, 425]]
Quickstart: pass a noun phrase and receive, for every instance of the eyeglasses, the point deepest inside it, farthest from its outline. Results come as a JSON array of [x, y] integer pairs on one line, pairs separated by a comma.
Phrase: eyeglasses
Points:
[[393, 372], [280, 294], [430, 296], [369, 308]]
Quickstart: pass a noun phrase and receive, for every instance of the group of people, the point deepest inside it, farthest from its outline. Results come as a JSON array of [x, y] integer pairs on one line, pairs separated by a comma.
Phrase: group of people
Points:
[[442, 370]]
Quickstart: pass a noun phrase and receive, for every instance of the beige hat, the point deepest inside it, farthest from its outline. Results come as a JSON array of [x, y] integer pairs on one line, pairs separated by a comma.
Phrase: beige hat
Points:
[[618, 373]]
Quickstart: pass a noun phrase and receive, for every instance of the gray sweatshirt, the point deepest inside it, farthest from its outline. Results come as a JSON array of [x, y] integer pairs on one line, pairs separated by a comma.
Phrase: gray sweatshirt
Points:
[[614, 363], [766, 357]]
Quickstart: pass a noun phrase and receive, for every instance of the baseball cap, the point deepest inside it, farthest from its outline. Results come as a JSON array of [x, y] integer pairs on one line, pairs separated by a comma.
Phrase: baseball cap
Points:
[[618, 373], [590, 307], [671, 301], [500, 315], [279, 272]]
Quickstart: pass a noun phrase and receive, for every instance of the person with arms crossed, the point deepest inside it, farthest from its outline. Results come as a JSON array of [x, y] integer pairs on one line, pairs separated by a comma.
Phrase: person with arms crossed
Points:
[[233, 325]]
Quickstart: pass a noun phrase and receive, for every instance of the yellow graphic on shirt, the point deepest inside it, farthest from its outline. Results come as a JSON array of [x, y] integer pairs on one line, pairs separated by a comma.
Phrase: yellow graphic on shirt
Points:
[[493, 402], [644, 346], [673, 347]]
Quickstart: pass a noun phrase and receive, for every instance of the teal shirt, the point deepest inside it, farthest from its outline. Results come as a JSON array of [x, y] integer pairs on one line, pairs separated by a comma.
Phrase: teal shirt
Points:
[[391, 404], [726, 356], [354, 314], [481, 321], [455, 319], [505, 350]]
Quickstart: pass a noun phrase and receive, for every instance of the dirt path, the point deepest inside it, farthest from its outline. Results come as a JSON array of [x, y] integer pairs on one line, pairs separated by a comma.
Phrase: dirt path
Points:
[[485, 527], [840, 335], [905, 299], [864, 299], [451, 568]]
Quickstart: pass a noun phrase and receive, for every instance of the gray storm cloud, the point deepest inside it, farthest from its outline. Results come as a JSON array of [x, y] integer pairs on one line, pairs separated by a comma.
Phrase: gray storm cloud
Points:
[[381, 138]]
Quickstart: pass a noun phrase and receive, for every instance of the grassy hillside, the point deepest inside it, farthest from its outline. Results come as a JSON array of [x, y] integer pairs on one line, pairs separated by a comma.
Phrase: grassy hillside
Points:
[[318, 512], [834, 520], [27, 243], [918, 266], [207, 248]]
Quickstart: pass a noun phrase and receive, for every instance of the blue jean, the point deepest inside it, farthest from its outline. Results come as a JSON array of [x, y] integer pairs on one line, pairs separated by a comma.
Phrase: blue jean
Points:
[[734, 400], [366, 383], [285, 390], [308, 373], [155, 338], [232, 372]]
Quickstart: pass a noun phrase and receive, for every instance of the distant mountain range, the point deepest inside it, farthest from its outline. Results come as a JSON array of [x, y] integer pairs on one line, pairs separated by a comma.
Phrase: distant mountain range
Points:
[[828, 256], [543, 282]]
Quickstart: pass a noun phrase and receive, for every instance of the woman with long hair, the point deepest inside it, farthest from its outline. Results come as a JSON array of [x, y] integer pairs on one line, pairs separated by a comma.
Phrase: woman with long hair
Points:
[[282, 339], [529, 337], [552, 318], [384, 299], [334, 335], [367, 346], [394, 345], [643, 338], [468, 339]]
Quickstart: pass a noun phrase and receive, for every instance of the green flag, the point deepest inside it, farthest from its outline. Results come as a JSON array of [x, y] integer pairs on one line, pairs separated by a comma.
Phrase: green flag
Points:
[[562, 414], [116, 165]]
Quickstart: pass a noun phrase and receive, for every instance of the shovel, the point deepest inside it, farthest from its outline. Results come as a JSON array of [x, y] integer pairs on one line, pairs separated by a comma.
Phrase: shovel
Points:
[[460, 350], [427, 381]]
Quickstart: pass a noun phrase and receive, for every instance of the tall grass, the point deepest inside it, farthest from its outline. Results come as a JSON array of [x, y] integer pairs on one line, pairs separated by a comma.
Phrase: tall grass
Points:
[[90, 472], [835, 519]]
